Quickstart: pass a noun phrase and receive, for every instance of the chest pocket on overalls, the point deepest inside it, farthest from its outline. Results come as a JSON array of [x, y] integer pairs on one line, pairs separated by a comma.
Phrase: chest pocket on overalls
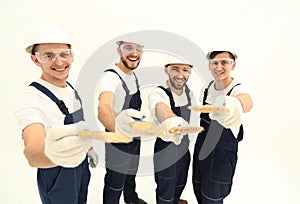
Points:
[[70, 118]]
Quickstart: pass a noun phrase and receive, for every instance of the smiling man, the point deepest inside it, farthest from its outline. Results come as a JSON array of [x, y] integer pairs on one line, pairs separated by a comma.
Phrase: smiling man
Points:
[[119, 99], [213, 174], [168, 105], [48, 111]]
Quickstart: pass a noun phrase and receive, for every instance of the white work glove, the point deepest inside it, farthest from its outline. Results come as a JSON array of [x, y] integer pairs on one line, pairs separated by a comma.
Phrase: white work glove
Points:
[[63, 146], [123, 120], [170, 123], [93, 158], [232, 118]]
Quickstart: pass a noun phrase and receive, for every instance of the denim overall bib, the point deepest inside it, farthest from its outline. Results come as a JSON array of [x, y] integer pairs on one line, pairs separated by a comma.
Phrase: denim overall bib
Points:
[[212, 177], [122, 159], [59, 185], [171, 161]]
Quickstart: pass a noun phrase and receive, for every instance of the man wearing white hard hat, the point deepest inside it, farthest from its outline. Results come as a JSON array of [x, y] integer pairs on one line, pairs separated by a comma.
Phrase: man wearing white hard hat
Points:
[[168, 106], [119, 103], [213, 174], [49, 112]]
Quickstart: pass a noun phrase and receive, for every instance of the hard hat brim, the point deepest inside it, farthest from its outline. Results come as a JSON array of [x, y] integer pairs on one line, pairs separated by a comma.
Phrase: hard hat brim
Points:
[[232, 53]]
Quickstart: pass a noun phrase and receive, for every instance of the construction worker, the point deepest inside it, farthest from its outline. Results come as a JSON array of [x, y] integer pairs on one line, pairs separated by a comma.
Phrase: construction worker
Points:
[[168, 105], [213, 174], [49, 112], [119, 102]]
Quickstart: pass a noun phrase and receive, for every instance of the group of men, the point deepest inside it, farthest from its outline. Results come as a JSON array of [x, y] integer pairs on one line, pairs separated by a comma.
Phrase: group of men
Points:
[[50, 115]]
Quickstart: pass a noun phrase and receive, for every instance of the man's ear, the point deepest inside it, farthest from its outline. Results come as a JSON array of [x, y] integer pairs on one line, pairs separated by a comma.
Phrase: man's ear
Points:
[[35, 60], [233, 65], [166, 70], [119, 51]]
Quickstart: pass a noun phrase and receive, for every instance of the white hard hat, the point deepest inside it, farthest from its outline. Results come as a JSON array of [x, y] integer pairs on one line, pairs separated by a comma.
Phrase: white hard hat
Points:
[[130, 38], [208, 56], [175, 60], [120, 42], [45, 33]]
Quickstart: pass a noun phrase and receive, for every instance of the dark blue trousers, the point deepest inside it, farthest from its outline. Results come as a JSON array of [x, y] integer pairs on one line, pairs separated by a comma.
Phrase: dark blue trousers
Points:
[[122, 162], [61, 185], [212, 177], [171, 164]]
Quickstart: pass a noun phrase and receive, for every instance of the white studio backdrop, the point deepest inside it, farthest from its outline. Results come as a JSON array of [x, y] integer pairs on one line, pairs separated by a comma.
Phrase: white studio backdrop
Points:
[[265, 35]]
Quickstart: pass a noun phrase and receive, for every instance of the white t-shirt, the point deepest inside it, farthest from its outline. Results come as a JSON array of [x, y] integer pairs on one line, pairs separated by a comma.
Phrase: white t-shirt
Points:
[[213, 93], [33, 106], [111, 82]]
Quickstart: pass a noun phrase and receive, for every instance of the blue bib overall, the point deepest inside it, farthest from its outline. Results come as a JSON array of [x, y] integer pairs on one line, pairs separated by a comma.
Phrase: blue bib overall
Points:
[[171, 162], [61, 185], [122, 159], [212, 177]]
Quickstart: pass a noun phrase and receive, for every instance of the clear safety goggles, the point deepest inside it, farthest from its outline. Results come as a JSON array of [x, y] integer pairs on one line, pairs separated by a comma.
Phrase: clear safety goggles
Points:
[[49, 56], [173, 69], [224, 62], [129, 48]]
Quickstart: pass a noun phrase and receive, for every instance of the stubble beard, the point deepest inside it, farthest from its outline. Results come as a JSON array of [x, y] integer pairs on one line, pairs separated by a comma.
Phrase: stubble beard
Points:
[[126, 64], [175, 86]]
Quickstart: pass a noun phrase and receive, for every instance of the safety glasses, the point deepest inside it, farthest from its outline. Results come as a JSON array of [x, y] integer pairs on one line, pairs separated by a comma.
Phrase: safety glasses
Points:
[[223, 61], [130, 48], [50, 56]]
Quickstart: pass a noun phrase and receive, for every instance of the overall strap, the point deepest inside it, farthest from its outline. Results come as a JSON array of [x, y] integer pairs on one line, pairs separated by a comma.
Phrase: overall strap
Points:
[[187, 93], [209, 85], [228, 94], [241, 131], [169, 93], [206, 92], [136, 81], [123, 82], [76, 93], [61, 105]]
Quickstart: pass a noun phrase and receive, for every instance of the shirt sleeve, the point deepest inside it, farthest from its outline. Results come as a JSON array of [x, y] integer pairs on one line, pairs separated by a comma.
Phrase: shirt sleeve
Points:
[[109, 82], [27, 110], [154, 97], [240, 89]]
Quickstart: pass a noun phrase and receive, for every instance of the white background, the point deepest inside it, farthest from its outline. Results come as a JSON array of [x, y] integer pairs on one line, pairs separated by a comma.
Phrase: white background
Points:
[[265, 35]]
